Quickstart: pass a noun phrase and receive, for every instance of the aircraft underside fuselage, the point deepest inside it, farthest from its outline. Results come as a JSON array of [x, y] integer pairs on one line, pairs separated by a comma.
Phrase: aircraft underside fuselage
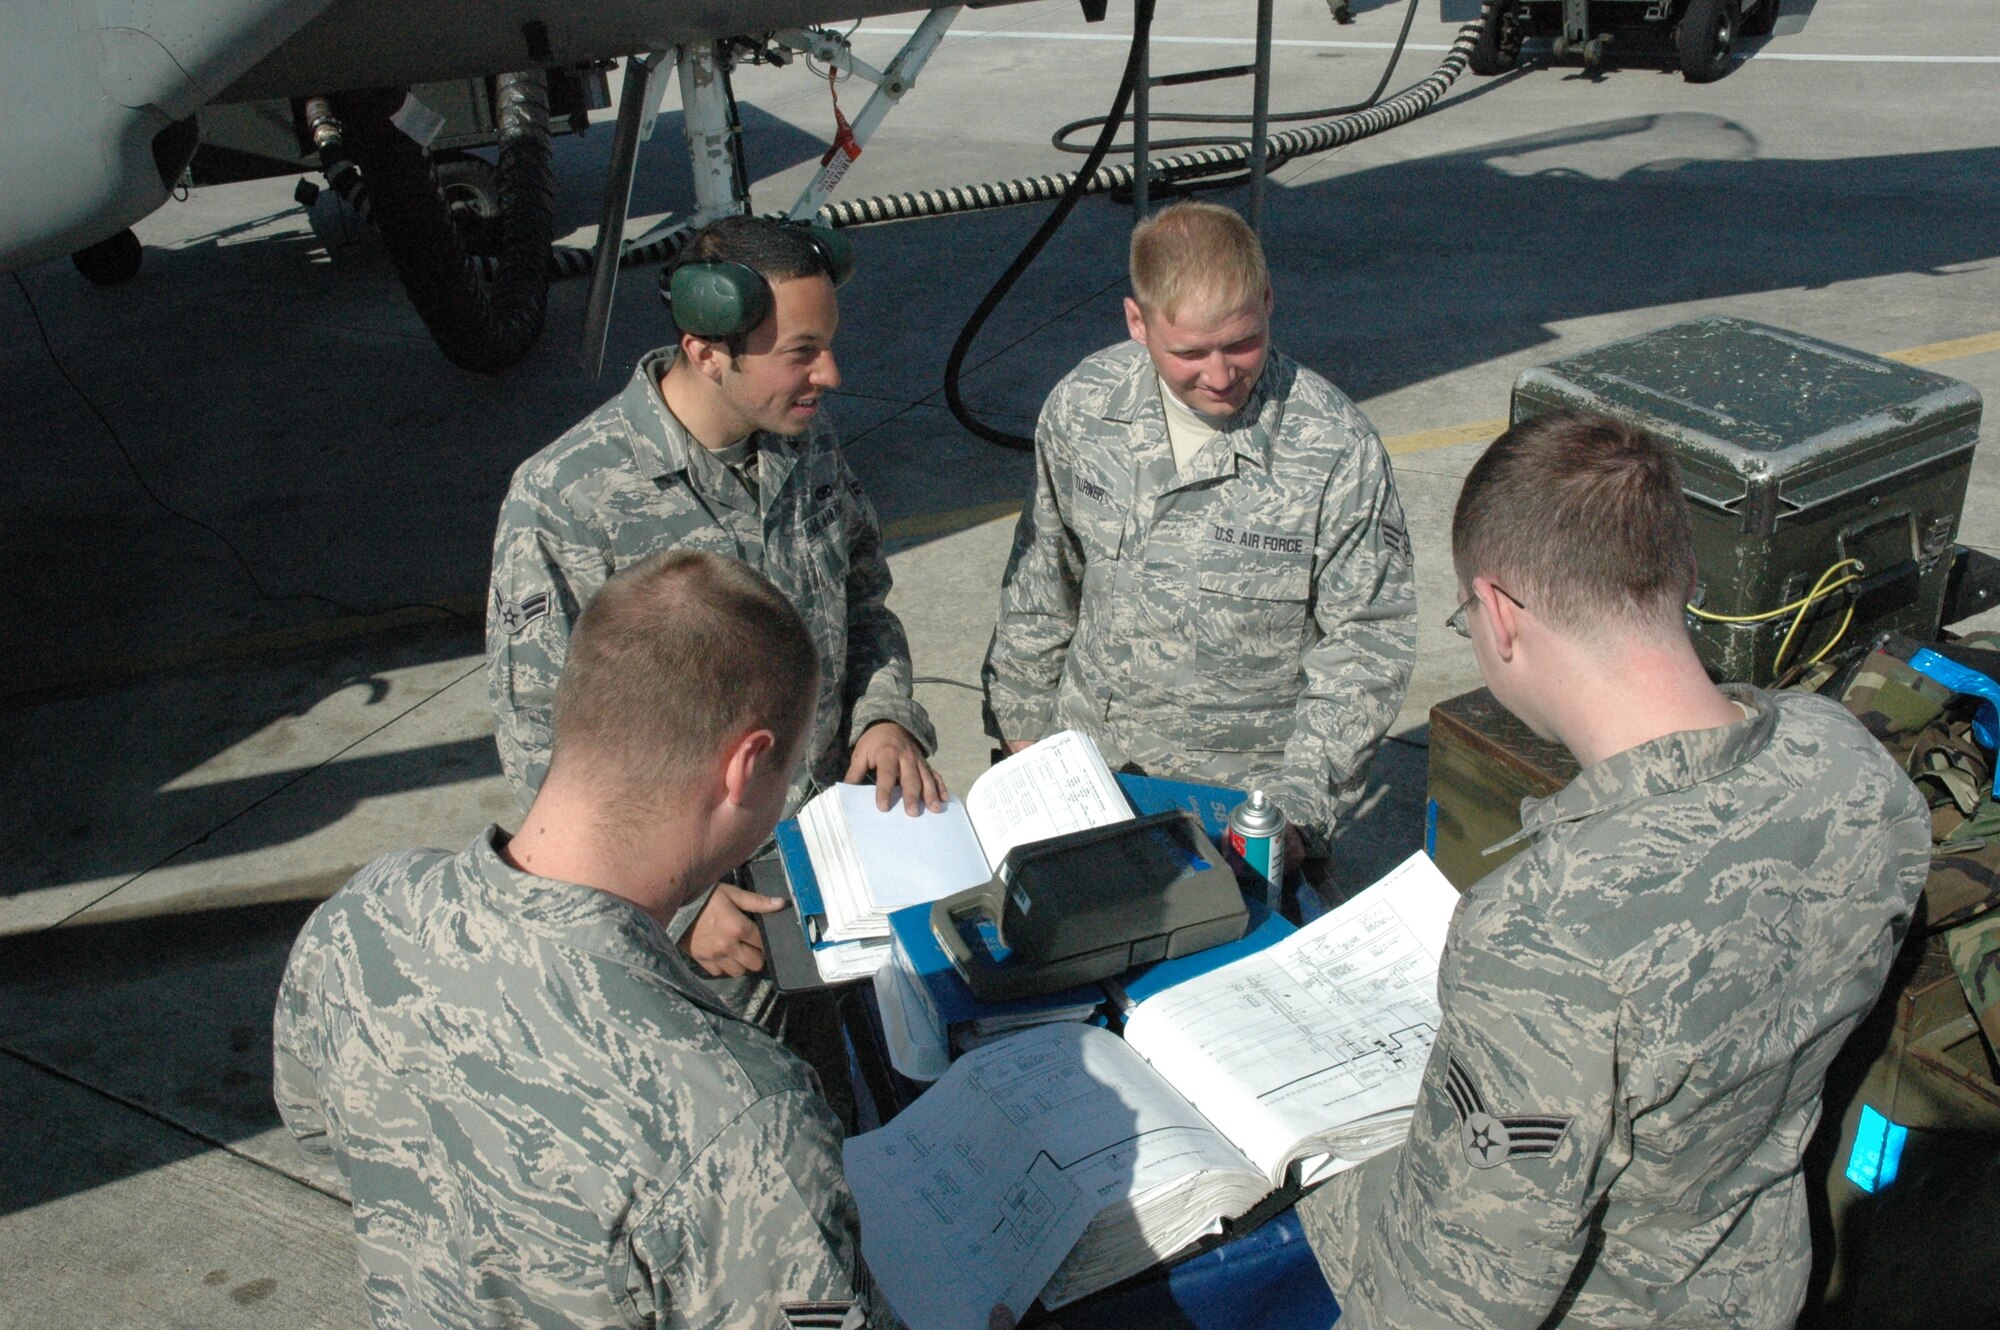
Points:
[[99, 100]]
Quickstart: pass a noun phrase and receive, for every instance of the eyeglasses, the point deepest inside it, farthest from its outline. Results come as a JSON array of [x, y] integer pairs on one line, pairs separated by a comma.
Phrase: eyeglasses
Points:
[[1456, 619]]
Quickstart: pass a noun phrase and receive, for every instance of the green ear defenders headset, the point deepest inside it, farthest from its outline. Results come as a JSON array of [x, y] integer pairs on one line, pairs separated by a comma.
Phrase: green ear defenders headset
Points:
[[727, 299]]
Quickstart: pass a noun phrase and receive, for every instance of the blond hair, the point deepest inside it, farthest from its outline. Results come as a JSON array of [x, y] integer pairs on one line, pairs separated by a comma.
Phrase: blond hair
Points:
[[1196, 252]]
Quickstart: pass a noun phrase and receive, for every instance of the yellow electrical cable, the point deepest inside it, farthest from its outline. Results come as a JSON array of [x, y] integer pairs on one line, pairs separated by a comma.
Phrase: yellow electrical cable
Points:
[[1819, 590], [1833, 641], [1782, 610]]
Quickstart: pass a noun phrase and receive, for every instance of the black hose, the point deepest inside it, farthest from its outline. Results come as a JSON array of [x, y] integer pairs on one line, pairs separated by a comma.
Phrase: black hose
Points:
[[1059, 139], [479, 325], [1142, 24], [570, 261], [1403, 107]]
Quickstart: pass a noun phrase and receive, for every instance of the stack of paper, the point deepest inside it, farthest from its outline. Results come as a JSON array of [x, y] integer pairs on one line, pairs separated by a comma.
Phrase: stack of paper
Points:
[[870, 862], [856, 959], [932, 1016]]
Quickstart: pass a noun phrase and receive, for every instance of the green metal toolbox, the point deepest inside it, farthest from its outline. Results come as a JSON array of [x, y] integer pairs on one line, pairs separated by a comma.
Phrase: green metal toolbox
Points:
[[1483, 762], [1796, 455]]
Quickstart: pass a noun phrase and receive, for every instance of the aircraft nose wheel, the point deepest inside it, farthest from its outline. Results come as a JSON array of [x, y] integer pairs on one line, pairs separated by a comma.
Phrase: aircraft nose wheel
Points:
[[109, 262], [1706, 34], [1498, 48], [471, 189]]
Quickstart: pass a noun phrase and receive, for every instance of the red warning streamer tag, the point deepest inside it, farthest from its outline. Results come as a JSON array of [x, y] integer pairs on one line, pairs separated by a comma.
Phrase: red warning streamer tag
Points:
[[843, 137]]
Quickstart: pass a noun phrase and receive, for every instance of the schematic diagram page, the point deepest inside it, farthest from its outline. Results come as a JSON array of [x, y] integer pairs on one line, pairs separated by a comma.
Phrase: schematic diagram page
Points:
[[1064, 1159], [1312, 1050], [1056, 1143]]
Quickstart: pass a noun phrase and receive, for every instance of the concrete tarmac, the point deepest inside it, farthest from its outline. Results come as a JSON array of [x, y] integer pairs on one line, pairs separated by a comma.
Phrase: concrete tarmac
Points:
[[248, 507]]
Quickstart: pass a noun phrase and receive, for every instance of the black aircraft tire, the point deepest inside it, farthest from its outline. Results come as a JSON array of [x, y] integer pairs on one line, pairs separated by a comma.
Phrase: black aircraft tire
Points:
[[111, 261], [1707, 32], [1493, 52], [479, 326]]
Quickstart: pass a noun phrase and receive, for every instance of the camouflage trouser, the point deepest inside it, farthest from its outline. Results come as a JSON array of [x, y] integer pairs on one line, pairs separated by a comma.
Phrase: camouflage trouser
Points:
[[1915, 718], [1975, 955]]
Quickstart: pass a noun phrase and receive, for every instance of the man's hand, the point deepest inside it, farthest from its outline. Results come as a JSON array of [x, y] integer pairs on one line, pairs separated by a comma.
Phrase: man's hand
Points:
[[1019, 746], [725, 940], [1295, 849], [893, 756]]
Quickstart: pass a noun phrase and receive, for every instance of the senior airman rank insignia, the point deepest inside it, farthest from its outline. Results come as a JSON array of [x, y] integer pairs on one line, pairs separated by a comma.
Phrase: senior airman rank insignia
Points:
[[518, 614], [820, 1315], [1491, 1140], [1396, 540]]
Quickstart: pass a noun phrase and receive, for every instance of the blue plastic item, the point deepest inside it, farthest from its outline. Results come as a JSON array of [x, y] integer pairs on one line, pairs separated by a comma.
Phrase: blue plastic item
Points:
[[1265, 1280], [1158, 794], [1877, 1152], [1968, 682]]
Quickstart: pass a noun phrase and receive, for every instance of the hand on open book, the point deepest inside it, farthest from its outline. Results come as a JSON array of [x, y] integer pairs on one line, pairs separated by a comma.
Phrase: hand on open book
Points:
[[725, 940], [895, 759]]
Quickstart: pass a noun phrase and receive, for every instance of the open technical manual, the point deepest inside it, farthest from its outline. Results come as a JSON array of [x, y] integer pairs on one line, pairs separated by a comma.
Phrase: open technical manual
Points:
[[1064, 1159], [870, 863]]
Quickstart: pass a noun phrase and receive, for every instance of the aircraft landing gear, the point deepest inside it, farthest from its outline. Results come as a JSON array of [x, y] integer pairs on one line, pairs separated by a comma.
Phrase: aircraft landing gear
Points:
[[109, 262], [1498, 46], [1707, 31], [471, 189], [481, 324]]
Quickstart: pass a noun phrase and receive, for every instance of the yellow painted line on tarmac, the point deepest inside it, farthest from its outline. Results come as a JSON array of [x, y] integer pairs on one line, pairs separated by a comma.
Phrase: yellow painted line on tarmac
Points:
[[944, 524], [1957, 349], [921, 526], [1478, 431]]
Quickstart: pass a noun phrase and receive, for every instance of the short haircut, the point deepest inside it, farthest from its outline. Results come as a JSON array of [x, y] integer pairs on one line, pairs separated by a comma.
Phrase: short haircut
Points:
[[674, 657], [1196, 252], [773, 249], [1580, 516], [776, 249]]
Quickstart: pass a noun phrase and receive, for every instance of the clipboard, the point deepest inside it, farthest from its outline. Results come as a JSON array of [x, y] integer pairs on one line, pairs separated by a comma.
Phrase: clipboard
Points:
[[787, 955]]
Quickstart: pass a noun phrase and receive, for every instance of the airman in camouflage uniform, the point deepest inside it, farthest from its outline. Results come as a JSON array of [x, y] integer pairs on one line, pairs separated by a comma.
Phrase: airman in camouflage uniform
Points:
[[627, 482], [1638, 1012], [543, 1117], [753, 473], [1245, 617]]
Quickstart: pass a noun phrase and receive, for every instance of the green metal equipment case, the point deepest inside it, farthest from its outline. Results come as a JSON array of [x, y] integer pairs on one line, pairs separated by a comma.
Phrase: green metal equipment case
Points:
[[1483, 763], [1795, 454]]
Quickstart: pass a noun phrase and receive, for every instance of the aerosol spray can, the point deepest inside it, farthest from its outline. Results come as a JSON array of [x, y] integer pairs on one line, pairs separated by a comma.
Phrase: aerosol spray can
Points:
[[1257, 837]]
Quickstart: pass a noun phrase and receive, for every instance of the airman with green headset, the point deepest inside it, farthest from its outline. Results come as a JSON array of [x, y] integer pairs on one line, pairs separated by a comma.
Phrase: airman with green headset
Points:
[[720, 442]]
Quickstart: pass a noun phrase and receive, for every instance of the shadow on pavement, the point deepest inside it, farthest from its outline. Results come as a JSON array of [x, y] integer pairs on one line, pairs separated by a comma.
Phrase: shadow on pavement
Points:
[[169, 1015]]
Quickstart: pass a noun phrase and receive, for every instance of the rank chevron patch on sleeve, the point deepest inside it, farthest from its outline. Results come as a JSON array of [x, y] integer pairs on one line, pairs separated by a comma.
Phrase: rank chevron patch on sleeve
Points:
[[1491, 1140]]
